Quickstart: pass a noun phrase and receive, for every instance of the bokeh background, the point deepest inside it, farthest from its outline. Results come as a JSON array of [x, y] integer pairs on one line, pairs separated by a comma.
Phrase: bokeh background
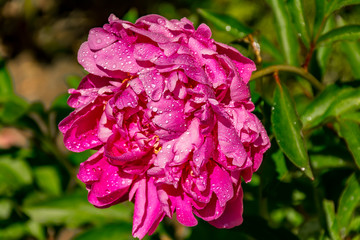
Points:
[[40, 197]]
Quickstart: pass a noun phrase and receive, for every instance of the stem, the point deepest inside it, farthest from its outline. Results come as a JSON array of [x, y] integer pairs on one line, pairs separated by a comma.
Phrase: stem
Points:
[[287, 68]]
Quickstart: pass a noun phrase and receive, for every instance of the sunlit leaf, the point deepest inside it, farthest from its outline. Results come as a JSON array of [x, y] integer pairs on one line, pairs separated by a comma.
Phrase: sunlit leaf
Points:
[[297, 12], [287, 129], [349, 32], [287, 36], [350, 131], [349, 200], [74, 210], [331, 219]]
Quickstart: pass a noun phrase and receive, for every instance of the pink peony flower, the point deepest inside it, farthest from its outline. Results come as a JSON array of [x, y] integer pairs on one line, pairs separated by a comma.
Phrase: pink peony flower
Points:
[[169, 112]]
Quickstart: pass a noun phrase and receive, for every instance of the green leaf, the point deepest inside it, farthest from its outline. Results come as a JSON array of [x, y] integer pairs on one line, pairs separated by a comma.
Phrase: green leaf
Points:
[[333, 101], [36, 230], [5, 208], [77, 158], [353, 116], [287, 129], [113, 231], [270, 48], [14, 231], [238, 30], [14, 174], [6, 87], [349, 200], [331, 220], [74, 210], [226, 23], [346, 100], [320, 6], [349, 32], [350, 131], [323, 53], [73, 81], [48, 179], [297, 12], [351, 50], [337, 4], [319, 162], [12, 108], [287, 36], [280, 164], [355, 225], [132, 15], [60, 102]]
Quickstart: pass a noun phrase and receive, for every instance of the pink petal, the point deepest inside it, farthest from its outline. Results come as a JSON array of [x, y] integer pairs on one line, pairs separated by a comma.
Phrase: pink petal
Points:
[[117, 57], [99, 38], [87, 60], [221, 185], [230, 142], [244, 65], [147, 211], [188, 141], [184, 210], [203, 32], [127, 98], [211, 211], [202, 154], [112, 186], [232, 215], [80, 129], [91, 169], [147, 52], [169, 114], [153, 84]]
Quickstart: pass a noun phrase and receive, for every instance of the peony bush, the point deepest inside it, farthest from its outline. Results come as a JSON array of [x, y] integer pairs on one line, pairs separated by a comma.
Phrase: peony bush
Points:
[[169, 113]]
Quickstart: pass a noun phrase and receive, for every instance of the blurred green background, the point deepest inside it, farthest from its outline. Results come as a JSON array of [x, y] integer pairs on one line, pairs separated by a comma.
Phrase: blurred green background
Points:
[[306, 192]]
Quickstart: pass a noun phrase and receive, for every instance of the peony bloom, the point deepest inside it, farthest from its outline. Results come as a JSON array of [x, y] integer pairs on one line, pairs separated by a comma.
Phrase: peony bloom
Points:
[[169, 112]]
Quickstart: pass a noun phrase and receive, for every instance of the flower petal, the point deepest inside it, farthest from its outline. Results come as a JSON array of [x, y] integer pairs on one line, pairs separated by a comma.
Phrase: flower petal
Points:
[[232, 215]]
